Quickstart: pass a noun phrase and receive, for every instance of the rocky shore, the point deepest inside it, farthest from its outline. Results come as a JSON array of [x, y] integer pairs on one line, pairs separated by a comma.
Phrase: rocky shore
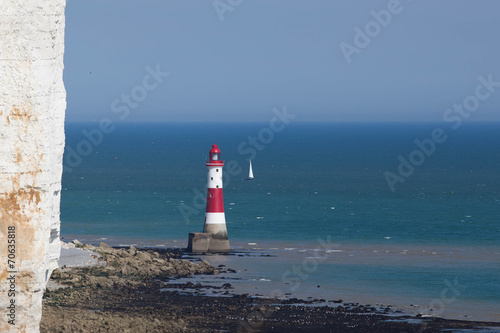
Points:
[[127, 291]]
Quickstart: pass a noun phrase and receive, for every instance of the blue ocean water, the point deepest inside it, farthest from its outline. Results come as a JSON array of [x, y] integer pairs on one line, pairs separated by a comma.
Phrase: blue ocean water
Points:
[[312, 181]]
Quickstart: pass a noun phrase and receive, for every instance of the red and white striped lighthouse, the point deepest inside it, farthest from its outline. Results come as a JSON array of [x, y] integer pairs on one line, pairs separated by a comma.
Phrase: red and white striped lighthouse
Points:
[[215, 219], [214, 236]]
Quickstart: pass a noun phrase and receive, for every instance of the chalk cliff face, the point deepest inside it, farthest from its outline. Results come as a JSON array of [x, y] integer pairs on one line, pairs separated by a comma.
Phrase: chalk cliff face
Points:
[[32, 106]]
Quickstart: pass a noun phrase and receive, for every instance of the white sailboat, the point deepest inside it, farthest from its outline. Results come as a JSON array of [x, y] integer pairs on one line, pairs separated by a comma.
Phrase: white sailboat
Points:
[[250, 172]]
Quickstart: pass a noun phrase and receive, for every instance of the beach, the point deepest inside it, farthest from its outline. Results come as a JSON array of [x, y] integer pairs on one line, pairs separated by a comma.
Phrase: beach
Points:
[[127, 289]]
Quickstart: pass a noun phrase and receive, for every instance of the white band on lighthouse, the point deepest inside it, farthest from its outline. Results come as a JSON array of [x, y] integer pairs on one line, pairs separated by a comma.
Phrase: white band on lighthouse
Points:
[[215, 176], [215, 218]]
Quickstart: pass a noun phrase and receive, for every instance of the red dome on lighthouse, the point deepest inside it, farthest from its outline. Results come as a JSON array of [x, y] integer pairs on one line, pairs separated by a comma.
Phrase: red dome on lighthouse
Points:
[[214, 149], [214, 155]]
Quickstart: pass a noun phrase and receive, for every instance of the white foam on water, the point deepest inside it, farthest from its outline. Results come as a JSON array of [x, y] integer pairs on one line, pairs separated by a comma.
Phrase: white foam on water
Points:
[[317, 258]]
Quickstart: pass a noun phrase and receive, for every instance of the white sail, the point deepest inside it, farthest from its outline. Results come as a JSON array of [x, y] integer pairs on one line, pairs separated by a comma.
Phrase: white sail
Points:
[[250, 171]]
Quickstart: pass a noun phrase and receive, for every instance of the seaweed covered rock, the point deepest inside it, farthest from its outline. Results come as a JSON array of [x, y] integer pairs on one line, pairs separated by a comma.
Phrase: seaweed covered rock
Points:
[[130, 267]]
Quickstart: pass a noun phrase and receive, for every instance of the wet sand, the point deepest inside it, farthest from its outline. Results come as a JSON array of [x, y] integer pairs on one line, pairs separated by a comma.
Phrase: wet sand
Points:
[[291, 273]]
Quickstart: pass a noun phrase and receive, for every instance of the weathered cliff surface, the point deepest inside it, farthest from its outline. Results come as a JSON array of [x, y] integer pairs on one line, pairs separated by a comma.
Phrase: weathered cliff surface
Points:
[[32, 106]]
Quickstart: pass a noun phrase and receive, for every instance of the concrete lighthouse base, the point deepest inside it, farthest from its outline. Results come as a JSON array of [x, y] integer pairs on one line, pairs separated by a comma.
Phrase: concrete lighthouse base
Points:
[[202, 242]]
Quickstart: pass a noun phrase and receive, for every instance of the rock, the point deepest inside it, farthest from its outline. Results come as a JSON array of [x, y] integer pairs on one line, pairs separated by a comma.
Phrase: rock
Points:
[[56, 274], [159, 261], [123, 253], [109, 268], [90, 247], [105, 247], [77, 243], [143, 256], [132, 250], [167, 268], [67, 245], [32, 106], [155, 271], [125, 270], [74, 280]]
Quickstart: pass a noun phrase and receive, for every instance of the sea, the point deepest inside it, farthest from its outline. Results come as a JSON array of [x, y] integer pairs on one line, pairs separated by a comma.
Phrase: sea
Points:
[[399, 214]]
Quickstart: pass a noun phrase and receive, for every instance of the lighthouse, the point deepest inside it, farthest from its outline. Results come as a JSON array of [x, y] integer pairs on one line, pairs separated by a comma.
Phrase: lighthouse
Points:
[[214, 237], [215, 219]]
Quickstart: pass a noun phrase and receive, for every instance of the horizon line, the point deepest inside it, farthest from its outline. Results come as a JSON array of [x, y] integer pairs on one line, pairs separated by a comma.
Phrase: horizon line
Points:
[[263, 121]]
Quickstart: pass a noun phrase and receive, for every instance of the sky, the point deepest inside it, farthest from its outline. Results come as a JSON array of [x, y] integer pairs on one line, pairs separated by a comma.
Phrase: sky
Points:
[[324, 60]]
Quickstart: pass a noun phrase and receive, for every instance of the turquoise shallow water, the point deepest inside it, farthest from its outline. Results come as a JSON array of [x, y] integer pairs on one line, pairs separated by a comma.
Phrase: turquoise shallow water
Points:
[[312, 181]]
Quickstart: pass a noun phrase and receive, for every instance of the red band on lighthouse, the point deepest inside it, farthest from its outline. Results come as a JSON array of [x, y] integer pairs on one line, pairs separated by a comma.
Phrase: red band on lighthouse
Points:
[[215, 203]]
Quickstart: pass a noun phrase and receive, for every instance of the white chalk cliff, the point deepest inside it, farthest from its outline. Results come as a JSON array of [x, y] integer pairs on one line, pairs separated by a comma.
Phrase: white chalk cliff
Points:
[[32, 107]]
